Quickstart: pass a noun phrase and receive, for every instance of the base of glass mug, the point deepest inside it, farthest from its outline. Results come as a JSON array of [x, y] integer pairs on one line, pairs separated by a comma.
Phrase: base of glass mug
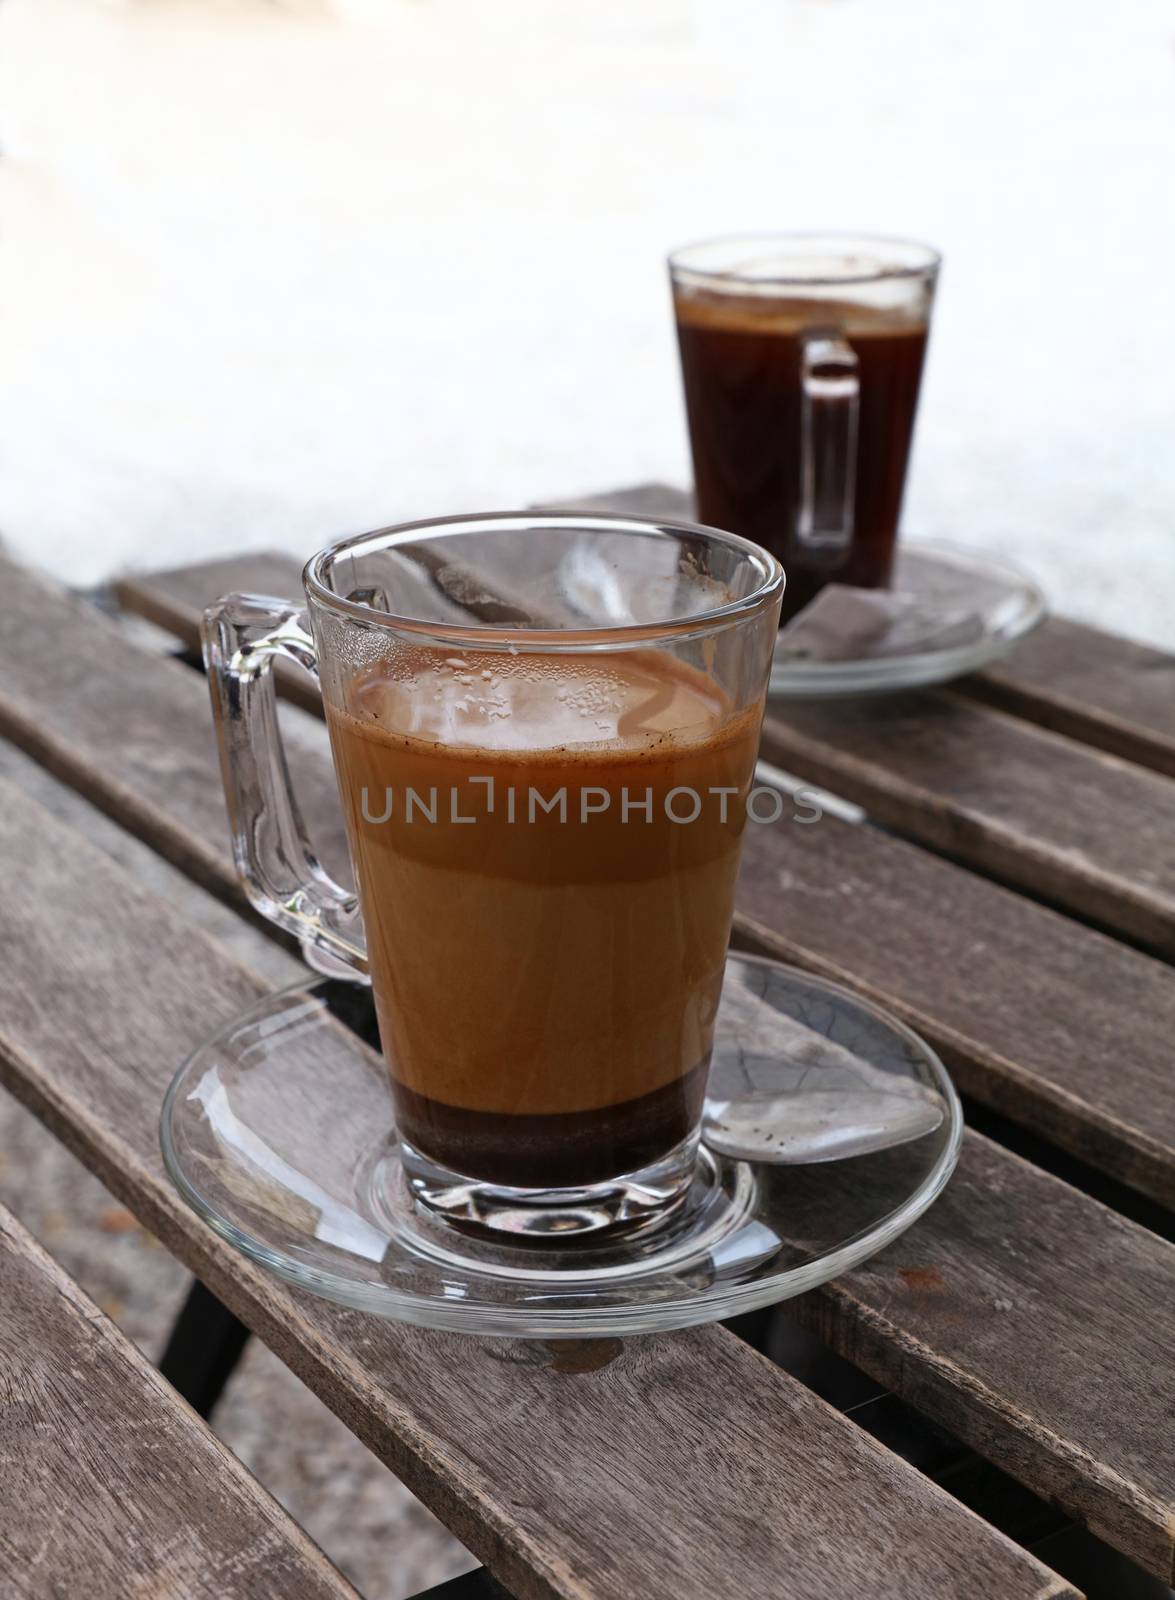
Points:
[[634, 1200]]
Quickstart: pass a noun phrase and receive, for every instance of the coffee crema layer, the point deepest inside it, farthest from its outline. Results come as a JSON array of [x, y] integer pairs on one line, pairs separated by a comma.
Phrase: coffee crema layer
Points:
[[768, 313]]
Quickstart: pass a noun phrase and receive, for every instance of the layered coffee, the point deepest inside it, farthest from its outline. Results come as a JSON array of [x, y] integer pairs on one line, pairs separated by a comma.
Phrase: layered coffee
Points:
[[742, 359], [546, 849]]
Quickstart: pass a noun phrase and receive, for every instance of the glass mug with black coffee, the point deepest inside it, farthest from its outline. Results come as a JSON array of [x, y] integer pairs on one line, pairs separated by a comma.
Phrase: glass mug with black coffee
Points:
[[544, 730], [802, 358]]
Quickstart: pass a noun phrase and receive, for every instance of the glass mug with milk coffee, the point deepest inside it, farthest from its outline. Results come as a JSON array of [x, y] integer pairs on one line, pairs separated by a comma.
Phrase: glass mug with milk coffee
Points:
[[802, 359], [544, 730]]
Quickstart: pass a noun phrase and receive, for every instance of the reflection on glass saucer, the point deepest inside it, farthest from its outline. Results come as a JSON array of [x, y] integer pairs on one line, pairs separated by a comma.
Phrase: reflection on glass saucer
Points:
[[802, 1072], [946, 612], [829, 1129]]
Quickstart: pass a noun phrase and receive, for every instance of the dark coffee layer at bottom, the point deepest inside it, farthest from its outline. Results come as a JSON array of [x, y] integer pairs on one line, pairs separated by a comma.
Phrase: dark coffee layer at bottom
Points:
[[562, 1150]]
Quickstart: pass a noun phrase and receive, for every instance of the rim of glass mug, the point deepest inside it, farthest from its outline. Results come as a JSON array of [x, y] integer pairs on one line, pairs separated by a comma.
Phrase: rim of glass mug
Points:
[[864, 258], [698, 624]]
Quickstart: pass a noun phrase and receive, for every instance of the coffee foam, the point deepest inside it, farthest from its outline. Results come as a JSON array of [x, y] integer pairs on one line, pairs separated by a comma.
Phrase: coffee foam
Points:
[[535, 705], [763, 313]]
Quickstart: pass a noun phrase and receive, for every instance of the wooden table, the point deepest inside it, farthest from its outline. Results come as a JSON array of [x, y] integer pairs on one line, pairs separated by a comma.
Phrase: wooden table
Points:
[[984, 1409], [109, 1484]]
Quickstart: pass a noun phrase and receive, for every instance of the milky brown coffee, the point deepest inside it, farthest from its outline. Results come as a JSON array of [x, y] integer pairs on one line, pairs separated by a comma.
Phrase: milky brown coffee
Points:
[[546, 915]]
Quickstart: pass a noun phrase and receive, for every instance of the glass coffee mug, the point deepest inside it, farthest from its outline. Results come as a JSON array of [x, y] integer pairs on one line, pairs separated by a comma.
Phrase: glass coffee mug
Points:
[[802, 357], [544, 730]]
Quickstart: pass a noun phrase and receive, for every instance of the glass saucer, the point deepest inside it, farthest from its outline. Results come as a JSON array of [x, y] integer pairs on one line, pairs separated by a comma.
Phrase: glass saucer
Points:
[[830, 1128], [954, 611]]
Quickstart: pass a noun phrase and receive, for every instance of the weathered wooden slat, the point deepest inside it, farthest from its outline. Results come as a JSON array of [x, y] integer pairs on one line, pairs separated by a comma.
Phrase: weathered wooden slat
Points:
[[111, 1486], [175, 598], [1047, 1021], [70, 685], [1088, 832], [130, 730], [1018, 1288], [620, 1472], [1092, 686]]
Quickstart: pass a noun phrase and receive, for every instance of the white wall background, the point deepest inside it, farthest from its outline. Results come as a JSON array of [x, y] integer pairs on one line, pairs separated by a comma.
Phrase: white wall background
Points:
[[272, 271]]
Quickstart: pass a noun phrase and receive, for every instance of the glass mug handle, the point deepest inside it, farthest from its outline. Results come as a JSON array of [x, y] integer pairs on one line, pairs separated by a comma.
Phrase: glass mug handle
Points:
[[830, 404], [244, 636]]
